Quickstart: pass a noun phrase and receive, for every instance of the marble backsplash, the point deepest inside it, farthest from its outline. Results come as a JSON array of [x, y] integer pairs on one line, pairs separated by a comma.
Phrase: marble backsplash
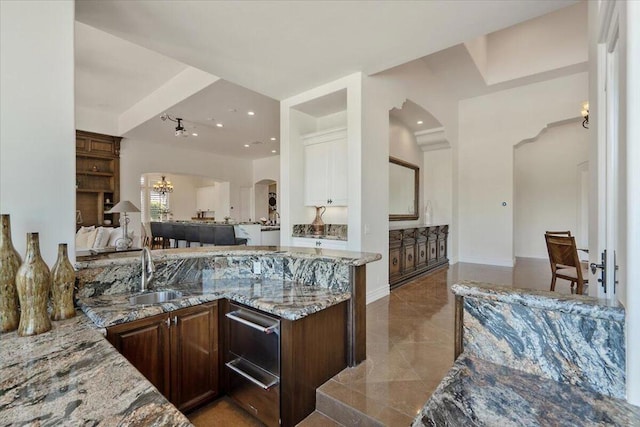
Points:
[[125, 278], [569, 339], [338, 231]]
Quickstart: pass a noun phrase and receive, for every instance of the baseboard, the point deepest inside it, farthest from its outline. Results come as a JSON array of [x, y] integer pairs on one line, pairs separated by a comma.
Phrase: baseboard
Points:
[[504, 262], [376, 294]]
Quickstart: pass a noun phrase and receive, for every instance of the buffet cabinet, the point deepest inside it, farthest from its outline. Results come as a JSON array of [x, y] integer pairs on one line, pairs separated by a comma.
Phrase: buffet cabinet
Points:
[[416, 250]]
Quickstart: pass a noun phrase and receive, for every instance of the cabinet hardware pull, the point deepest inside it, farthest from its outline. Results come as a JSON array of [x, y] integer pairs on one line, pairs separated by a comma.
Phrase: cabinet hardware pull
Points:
[[175, 320], [395, 261], [168, 322], [240, 372], [267, 330]]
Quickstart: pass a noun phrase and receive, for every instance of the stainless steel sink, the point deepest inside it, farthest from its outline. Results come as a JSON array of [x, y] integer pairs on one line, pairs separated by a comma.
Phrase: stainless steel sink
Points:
[[155, 297]]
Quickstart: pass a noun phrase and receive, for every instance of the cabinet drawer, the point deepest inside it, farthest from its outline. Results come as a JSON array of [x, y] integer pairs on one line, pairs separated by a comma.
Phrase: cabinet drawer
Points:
[[261, 403], [394, 262], [409, 258]]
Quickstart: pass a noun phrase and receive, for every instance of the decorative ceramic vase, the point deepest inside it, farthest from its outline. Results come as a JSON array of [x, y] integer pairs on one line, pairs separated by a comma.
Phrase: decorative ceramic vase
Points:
[[318, 224], [9, 264], [63, 279], [428, 213], [33, 282]]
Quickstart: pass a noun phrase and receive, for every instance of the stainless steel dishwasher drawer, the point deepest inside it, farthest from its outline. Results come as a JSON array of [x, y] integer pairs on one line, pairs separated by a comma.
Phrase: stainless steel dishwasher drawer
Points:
[[254, 337], [253, 362], [260, 401]]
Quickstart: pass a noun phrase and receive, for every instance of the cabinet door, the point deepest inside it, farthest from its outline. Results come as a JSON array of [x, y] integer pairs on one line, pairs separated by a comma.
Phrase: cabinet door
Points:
[[409, 258], [338, 188], [302, 242], [194, 355], [145, 344], [421, 254], [394, 263], [316, 160], [432, 255]]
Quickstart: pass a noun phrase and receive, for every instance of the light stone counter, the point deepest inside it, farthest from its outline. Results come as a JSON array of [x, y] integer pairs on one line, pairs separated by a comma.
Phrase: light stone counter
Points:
[[72, 376]]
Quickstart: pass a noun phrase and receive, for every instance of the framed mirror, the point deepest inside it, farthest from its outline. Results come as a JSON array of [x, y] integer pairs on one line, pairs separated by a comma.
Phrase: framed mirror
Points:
[[403, 190]]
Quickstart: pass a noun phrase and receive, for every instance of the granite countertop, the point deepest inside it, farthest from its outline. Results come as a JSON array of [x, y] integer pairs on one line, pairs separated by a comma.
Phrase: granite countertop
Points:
[[288, 300], [404, 227], [333, 255], [476, 392], [72, 376], [321, 236]]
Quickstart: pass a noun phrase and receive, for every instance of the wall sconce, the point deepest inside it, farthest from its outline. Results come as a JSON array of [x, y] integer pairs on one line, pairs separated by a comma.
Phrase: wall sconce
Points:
[[585, 115]]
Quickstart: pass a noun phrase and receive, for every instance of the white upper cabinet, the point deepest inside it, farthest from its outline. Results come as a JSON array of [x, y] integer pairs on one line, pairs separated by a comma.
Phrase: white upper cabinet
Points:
[[325, 168]]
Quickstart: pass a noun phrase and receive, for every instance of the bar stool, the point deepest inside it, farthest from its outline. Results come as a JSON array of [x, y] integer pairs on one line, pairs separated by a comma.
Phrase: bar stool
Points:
[[192, 234], [178, 233], [208, 234], [226, 236], [156, 235], [166, 230]]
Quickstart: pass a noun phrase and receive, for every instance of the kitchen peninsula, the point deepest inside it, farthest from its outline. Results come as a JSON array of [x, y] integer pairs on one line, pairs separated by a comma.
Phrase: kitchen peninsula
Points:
[[300, 288]]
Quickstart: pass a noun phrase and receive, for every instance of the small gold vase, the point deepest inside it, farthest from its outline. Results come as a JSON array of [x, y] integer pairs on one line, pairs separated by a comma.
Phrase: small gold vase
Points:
[[9, 264], [63, 278], [33, 282], [318, 223]]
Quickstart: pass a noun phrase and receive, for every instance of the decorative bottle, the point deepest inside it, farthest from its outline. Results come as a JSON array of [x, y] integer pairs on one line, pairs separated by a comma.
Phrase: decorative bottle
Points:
[[63, 278], [33, 282], [318, 224], [9, 264]]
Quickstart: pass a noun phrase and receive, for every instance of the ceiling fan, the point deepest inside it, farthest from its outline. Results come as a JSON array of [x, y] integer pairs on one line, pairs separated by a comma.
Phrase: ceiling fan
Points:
[[180, 130]]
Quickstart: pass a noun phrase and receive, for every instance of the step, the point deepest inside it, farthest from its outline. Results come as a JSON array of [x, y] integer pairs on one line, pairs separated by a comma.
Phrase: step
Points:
[[318, 419]]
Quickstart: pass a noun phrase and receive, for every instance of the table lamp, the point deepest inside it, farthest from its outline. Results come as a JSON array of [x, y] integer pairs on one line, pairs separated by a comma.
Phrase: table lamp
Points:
[[123, 207]]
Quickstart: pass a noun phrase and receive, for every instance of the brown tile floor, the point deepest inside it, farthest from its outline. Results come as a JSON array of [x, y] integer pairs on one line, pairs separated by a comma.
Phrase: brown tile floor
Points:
[[409, 343]]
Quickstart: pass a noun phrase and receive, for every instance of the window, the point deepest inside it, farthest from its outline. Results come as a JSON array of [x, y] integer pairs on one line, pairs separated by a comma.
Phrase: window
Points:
[[154, 205]]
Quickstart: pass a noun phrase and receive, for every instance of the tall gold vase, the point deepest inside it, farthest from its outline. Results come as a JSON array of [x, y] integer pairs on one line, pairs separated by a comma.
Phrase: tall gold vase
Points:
[[63, 278], [33, 282], [9, 264]]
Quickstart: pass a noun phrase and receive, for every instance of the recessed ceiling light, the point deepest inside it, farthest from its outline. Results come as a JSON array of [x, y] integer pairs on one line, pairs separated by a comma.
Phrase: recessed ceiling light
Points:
[[247, 145], [420, 122], [194, 134], [210, 119], [251, 113], [219, 125], [232, 110], [273, 151], [273, 138]]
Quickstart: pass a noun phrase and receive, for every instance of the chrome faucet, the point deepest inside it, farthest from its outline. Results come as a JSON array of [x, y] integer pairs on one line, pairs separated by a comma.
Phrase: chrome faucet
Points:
[[276, 215], [148, 268]]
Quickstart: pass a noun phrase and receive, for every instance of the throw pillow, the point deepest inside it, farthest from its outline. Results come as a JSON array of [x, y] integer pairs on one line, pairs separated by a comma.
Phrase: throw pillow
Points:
[[102, 237]]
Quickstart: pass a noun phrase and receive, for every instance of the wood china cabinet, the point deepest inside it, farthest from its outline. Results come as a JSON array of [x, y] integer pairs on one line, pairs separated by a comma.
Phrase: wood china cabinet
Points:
[[416, 250], [176, 351], [97, 177]]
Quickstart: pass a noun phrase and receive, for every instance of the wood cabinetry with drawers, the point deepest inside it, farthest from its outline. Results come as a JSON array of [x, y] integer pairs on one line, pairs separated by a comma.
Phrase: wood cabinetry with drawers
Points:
[[416, 250], [176, 351], [97, 177]]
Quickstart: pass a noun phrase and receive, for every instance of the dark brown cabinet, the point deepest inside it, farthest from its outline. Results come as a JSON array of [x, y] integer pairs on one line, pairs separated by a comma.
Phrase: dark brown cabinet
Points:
[[177, 352], [97, 177], [416, 250]]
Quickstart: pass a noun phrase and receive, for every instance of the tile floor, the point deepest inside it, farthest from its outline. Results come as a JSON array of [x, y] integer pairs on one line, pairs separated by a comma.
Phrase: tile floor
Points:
[[409, 350]]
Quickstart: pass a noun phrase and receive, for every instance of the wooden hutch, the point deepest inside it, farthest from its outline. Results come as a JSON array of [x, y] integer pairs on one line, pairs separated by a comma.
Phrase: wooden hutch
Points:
[[97, 178]]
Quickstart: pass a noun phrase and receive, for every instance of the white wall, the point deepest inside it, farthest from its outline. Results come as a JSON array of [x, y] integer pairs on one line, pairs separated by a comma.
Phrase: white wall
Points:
[[489, 127], [138, 157], [438, 184], [37, 132], [632, 18], [549, 42], [96, 121], [548, 184]]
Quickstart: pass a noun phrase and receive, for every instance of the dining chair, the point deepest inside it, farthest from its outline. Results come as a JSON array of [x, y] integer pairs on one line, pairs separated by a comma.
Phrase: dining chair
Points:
[[565, 263]]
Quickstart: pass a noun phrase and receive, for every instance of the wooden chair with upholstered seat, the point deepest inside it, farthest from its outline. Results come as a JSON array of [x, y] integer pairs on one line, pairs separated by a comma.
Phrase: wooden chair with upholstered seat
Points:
[[565, 264]]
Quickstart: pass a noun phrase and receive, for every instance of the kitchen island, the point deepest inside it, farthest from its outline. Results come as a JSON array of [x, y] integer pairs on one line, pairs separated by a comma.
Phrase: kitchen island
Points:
[[294, 284]]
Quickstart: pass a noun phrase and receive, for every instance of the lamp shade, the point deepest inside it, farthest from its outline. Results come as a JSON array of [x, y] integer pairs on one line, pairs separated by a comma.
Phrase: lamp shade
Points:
[[123, 206]]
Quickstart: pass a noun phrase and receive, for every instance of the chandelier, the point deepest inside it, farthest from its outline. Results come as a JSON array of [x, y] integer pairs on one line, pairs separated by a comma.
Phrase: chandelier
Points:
[[163, 186]]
